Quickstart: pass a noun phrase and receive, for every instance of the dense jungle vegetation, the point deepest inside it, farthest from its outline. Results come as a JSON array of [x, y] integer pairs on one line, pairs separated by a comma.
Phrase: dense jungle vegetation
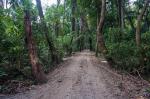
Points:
[[34, 39]]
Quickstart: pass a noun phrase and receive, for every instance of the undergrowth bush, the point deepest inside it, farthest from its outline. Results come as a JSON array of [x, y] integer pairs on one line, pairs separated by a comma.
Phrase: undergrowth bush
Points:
[[126, 55]]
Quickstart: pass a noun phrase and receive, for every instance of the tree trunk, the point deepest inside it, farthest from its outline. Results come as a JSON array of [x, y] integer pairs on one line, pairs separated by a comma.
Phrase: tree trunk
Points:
[[57, 24], [85, 30], [73, 15], [100, 38], [120, 7], [57, 28], [58, 3], [122, 15], [78, 35], [36, 66], [64, 15], [138, 26], [98, 16], [45, 30], [138, 32], [73, 21]]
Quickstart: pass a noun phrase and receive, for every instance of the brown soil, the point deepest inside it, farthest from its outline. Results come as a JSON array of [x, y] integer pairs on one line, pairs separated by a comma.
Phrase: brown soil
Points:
[[83, 76]]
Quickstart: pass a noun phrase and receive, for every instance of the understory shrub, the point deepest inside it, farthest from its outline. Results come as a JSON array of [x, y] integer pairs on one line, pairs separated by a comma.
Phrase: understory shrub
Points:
[[125, 54]]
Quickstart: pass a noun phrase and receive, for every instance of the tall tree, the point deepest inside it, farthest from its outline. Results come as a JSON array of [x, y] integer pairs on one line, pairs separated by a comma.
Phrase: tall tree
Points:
[[45, 30], [97, 20], [36, 66], [121, 14], [138, 26], [100, 38], [64, 13], [73, 21], [74, 4], [58, 3], [85, 30], [57, 23]]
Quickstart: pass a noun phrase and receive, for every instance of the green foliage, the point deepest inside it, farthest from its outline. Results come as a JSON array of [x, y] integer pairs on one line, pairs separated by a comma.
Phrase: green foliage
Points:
[[64, 44], [124, 54], [122, 49]]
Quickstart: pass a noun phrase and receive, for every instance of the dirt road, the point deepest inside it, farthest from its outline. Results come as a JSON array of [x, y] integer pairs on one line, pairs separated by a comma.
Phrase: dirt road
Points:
[[81, 76]]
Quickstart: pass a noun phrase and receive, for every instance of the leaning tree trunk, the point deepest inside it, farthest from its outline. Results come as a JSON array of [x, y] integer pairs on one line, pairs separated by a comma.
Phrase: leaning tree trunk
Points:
[[36, 66], [100, 38], [138, 27], [52, 49]]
